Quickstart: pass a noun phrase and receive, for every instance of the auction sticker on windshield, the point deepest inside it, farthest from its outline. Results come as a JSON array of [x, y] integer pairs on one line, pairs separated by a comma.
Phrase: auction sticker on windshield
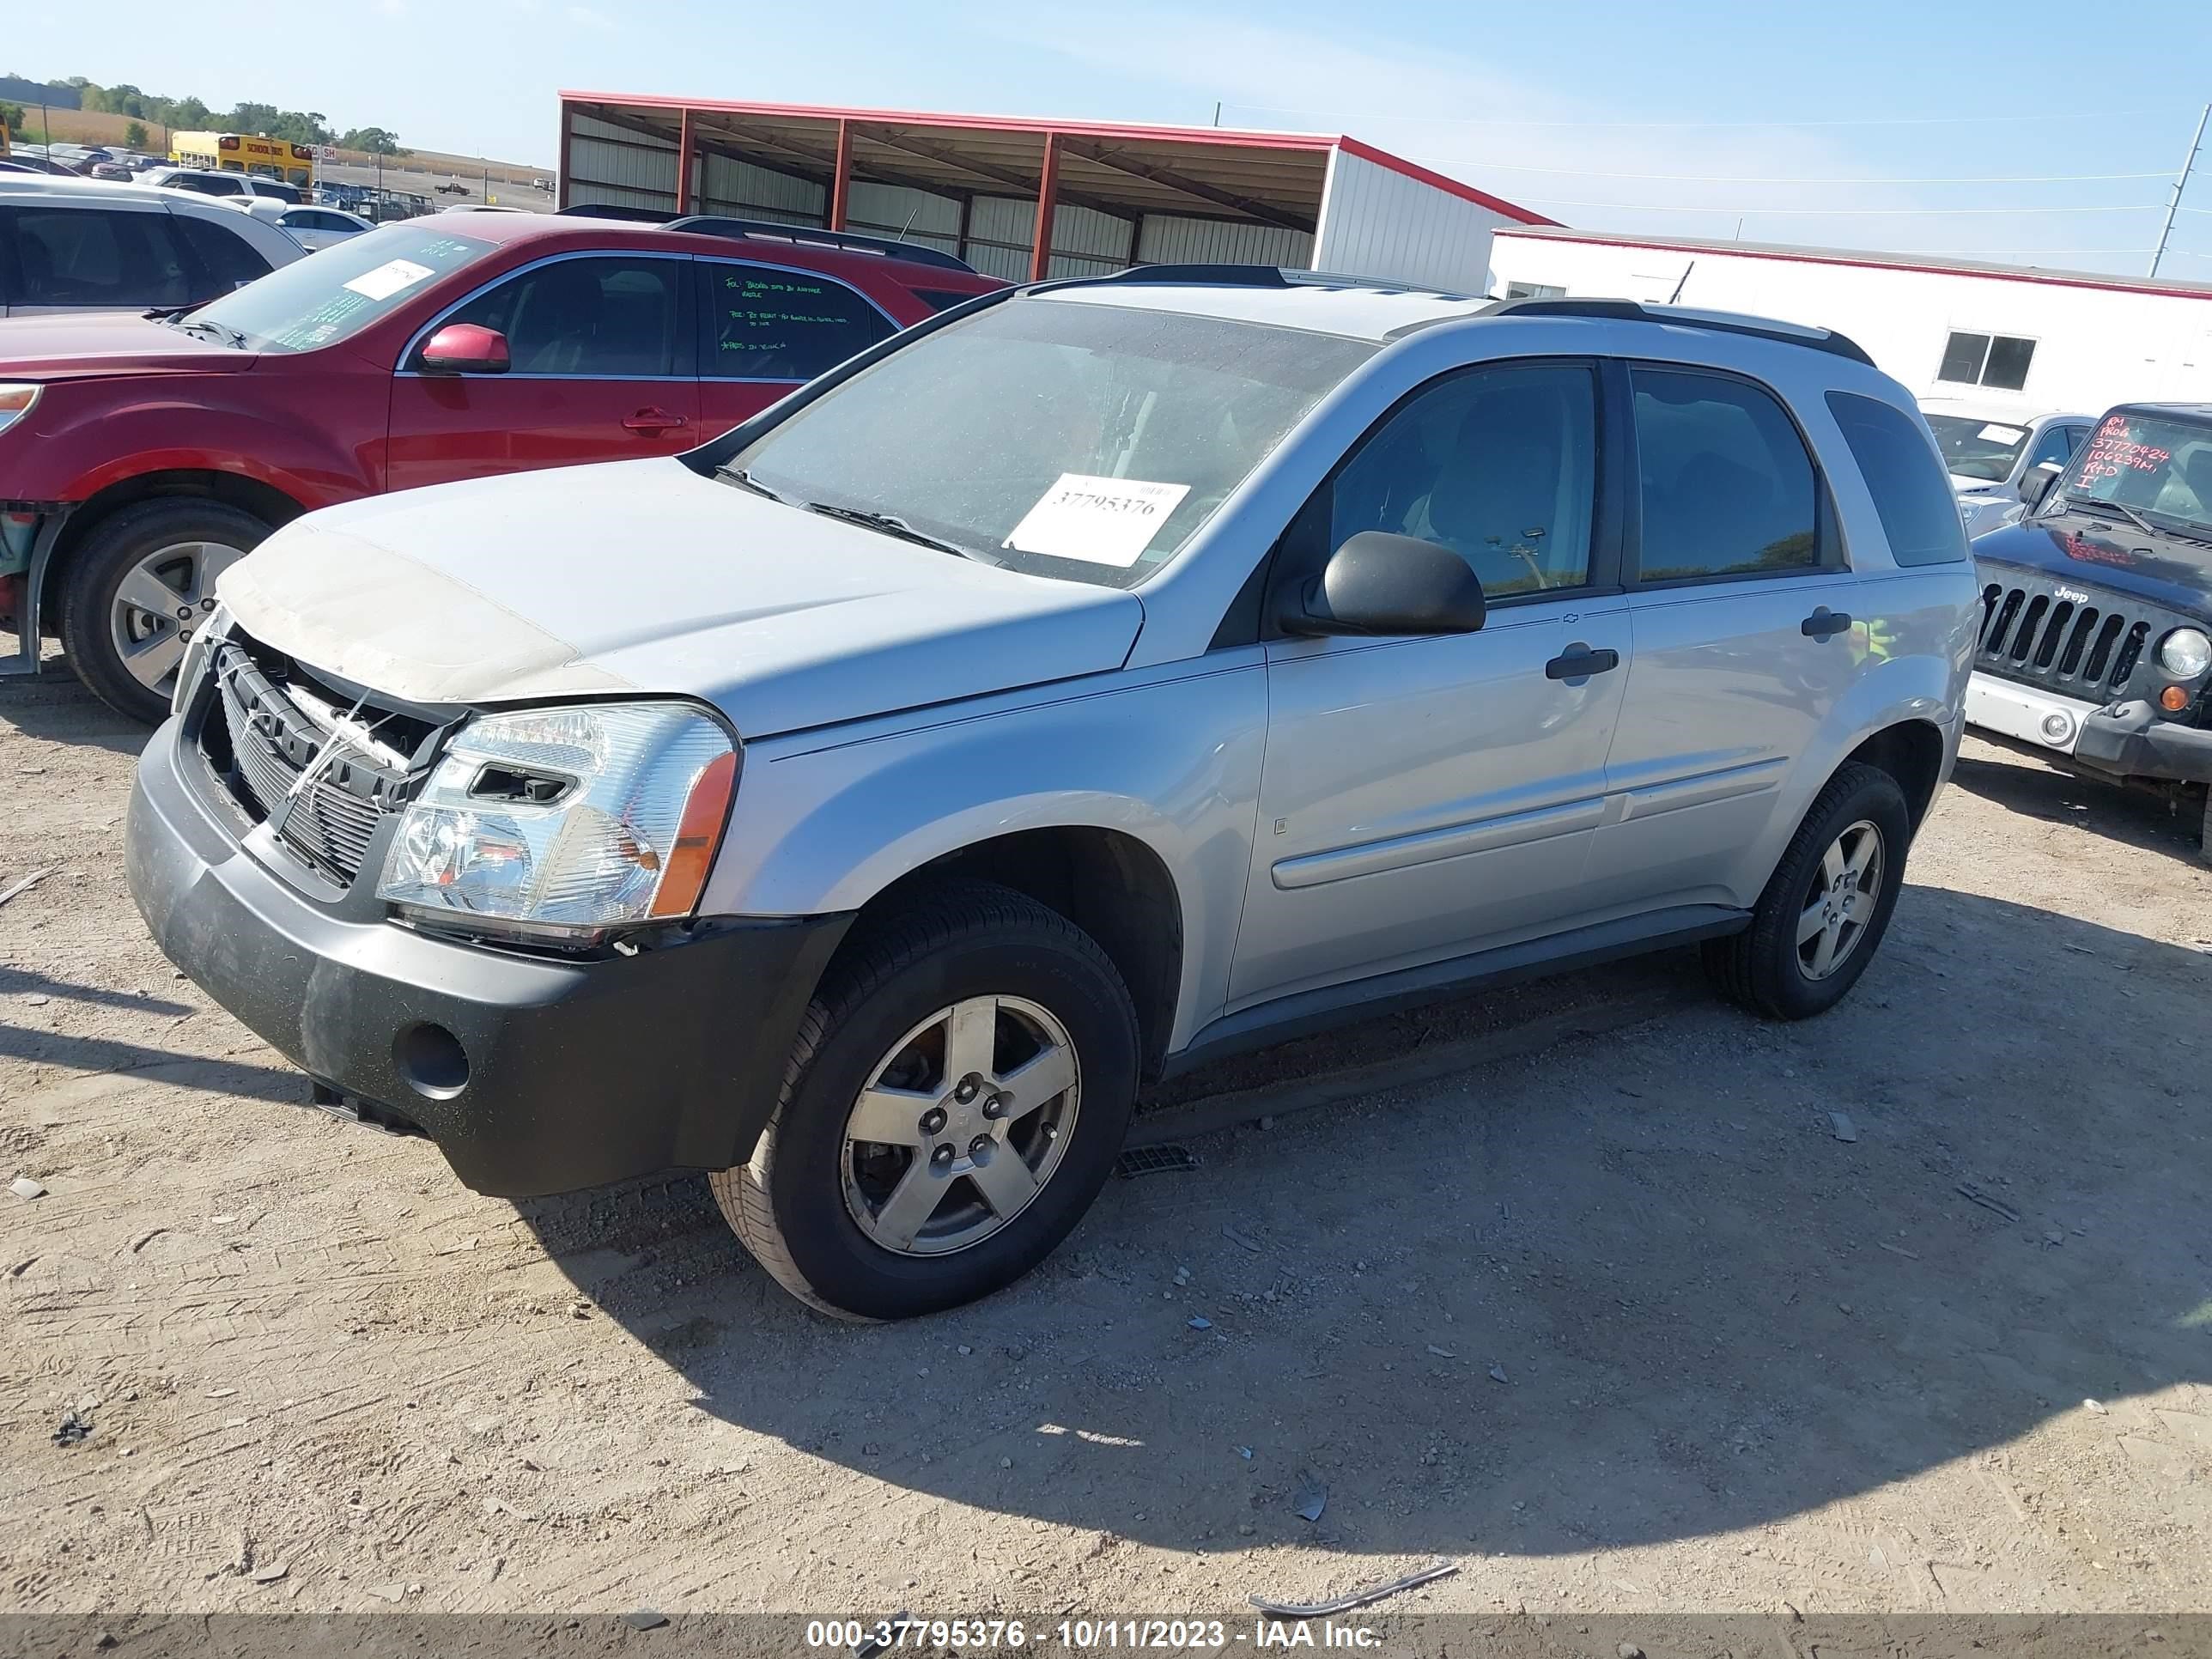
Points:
[[1098, 520], [389, 278]]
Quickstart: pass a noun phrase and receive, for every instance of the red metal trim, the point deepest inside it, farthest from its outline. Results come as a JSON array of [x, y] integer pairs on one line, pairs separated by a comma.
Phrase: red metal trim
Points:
[[1048, 186], [683, 164], [841, 172], [1466, 192], [1877, 262], [1230, 138]]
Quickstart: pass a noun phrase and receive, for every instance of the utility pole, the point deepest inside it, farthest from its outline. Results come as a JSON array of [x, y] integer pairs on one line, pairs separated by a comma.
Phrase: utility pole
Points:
[[2180, 183]]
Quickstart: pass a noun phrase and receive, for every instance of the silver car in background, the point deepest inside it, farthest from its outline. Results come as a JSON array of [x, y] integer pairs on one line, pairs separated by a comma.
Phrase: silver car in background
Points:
[[1988, 450]]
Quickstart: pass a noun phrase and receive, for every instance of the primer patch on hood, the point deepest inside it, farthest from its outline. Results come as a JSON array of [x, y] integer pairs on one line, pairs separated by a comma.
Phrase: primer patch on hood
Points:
[[360, 611]]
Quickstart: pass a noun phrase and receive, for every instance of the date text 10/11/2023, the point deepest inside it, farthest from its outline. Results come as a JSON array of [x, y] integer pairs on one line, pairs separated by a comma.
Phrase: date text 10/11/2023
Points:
[[868, 1638]]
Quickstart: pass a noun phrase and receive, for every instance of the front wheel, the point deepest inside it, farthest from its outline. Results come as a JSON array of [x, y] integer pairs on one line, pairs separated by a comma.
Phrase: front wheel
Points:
[[961, 1086], [1827, 904], [138, 587]]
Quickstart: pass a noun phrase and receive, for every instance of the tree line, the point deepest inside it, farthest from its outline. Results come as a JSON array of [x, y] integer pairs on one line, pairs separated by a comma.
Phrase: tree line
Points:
[[296, 126]]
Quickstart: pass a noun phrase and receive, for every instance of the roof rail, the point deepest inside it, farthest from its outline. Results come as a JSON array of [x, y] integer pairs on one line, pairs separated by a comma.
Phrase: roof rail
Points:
[[635, 215], [1211, 276], [770, 230], [1635, 310]]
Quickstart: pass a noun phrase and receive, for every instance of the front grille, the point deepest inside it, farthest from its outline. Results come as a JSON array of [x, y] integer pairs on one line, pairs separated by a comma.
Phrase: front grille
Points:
[[272, 739], [2088, 645]]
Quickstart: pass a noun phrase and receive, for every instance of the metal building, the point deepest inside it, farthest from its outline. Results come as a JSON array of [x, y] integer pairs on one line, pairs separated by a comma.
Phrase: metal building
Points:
[[1108, 195], [2020, 338]]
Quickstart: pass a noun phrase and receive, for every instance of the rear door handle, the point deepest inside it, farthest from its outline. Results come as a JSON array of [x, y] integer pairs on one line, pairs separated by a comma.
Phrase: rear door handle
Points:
[[654, 420], [1579, 662], [1824, 625]]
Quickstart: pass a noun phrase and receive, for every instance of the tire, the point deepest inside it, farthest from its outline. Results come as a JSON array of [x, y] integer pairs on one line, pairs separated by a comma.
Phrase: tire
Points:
[[815, 1204], [1770, 967], [178, 543]]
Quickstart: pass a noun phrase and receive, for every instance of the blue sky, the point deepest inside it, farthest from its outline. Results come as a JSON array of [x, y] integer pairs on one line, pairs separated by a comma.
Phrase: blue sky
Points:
[[1644, 117]]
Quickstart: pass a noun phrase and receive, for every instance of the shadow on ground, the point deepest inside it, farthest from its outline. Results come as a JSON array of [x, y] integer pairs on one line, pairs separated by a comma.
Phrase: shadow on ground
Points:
[[2024, 784], [1705, 1310]]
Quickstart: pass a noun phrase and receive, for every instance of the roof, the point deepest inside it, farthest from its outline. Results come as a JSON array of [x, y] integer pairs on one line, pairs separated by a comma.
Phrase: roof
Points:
[[1275, 178], [1345, 306], [2176, 288], [1988, 408]]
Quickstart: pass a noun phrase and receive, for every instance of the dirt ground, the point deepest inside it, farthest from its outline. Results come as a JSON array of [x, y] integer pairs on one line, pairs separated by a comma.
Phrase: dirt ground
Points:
[[1620, 1322]]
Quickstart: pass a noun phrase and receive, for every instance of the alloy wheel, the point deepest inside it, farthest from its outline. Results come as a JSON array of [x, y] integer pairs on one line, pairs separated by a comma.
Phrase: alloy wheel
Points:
[[1841, 900], [162, 599]]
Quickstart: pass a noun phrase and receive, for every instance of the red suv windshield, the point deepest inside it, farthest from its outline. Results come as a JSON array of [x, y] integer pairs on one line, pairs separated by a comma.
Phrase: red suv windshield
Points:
[[319, 301]]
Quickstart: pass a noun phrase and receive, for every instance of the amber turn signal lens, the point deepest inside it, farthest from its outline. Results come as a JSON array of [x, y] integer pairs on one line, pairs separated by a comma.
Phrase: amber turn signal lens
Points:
[[2174, 699], [697, 834]]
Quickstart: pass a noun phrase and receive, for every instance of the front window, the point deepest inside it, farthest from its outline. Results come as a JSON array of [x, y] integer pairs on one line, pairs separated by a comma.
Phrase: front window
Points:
[[312, 303], [1978, 449], [1063, 437], [2155, 468]]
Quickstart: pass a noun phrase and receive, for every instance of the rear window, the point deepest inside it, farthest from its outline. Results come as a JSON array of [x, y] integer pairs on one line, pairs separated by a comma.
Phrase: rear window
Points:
[[1912, 494]]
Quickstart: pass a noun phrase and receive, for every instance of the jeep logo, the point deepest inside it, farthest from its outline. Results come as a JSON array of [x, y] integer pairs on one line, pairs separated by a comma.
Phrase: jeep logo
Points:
[[2073, 595]]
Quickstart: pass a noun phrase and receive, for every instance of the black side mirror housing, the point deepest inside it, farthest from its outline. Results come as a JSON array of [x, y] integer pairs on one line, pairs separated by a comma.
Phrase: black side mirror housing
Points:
[[1380, 583], [2035, 483]]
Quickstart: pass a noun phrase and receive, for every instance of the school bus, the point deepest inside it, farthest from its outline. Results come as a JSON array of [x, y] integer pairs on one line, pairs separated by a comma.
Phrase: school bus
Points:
[[243, 152]]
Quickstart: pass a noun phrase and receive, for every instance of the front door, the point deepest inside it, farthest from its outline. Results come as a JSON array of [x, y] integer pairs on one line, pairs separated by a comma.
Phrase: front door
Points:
[[600, 352], [1739, 605], [1423, 797]]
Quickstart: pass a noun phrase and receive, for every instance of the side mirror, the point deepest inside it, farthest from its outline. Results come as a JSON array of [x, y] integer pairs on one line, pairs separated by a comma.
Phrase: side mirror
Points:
[[1380, 583], [466, 349], [2036, 483]]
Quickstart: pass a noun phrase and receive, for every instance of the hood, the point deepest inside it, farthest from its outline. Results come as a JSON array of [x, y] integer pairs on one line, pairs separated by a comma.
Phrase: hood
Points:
[[1965, 486], [644, 576], [2090, 551], [86, 344]]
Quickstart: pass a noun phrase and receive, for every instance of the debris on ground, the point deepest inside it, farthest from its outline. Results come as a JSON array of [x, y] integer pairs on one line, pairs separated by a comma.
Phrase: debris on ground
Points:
[[1237, 1238], [1629, 1650], [387, 1592], [24, 1187], [1358, 1598], [1245, 1452], [271, 1573], [18, 889], [1312, 1497], [145, 1238], [1497, 1373], [1442, 1353], [645, 1619], [2095, 1406], [74, 1427], [1200, 1322], [1841, 1124], [1974, 1195]]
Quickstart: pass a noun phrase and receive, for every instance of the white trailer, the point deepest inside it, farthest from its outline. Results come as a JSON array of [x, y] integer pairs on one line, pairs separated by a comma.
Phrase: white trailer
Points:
[[2016, 339], [1109, 194]]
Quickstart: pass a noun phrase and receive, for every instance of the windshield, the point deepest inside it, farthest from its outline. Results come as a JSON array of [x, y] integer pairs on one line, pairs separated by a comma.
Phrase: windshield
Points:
[[332, 295], [1976, 448], [1063, 437], [2157, 467]]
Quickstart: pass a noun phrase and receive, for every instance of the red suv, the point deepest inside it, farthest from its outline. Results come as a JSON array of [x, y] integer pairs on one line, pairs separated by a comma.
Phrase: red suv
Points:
[[139, 455]]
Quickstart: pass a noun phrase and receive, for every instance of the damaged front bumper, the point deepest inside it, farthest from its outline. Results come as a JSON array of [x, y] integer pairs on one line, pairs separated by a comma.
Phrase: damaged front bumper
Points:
[[533, 1074]]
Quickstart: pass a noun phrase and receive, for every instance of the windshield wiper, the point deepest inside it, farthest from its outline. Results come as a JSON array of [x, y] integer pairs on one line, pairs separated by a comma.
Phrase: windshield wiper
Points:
[[2090, 504], [739, 476], [216, 332], [888, 524]]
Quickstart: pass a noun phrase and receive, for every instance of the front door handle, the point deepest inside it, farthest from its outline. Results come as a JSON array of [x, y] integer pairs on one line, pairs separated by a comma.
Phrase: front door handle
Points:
[[1824, 625], [1578, 662], [654, 420]]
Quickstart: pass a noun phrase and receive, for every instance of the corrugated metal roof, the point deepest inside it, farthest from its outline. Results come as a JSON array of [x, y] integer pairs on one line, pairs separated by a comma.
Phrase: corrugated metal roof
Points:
[[2177, 287]]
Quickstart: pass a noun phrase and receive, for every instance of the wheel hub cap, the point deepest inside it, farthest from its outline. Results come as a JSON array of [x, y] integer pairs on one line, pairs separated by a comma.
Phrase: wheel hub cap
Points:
[[961, 1125]]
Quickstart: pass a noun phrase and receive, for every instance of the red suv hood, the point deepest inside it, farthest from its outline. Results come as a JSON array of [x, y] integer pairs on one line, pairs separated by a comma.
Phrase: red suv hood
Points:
[[80, 345]]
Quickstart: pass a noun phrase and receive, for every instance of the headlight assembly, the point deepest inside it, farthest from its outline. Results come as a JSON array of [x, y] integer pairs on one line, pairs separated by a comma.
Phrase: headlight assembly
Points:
[[2185, 653], [558, 825]]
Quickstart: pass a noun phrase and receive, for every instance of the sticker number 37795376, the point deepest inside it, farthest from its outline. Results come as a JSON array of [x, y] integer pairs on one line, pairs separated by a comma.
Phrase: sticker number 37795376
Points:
[[1098, 520]]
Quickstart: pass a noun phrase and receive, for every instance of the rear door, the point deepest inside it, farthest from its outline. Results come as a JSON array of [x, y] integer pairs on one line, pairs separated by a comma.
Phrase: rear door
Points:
[[124, 256], [601, 349], [765, 330], [1739, 604]]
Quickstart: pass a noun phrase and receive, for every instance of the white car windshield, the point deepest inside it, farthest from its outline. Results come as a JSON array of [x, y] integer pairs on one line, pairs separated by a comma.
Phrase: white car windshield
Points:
[[316, 302], [1977, 449], [1067, 438]]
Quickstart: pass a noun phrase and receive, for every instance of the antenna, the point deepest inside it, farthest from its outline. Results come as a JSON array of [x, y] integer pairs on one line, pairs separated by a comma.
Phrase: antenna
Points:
[[1677, 294]]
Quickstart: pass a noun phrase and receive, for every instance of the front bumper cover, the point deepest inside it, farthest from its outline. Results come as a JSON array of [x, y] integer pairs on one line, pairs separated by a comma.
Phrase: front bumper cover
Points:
[[2128, 740], [571, 1074]]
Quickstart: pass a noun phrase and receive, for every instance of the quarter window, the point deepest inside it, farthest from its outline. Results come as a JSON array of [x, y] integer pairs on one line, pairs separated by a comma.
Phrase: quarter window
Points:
[[614, 319], [1498, 465], [1912, 494], [1727, 488], [1992, 360], [765, 323], [229, 258], [92, 257]]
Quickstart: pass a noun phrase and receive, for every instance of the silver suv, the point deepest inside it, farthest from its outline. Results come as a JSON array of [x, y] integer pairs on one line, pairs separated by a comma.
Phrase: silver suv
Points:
[[1103, 677]]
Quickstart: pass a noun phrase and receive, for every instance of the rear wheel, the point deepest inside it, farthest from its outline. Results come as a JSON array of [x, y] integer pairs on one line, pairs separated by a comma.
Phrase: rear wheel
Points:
[[961, 1087], [1827, 905], [139, 586]]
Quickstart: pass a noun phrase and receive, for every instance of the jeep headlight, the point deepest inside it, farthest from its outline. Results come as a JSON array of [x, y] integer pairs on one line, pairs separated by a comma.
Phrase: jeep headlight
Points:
[[2185, 653], [560, 823]]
